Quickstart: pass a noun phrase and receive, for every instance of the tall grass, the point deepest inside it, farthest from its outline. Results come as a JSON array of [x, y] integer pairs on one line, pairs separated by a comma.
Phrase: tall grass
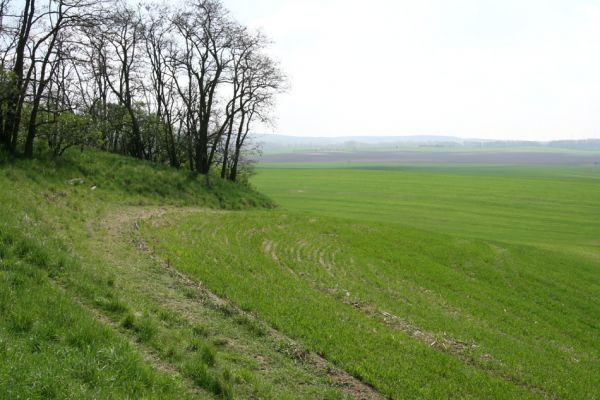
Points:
[[50, 345]]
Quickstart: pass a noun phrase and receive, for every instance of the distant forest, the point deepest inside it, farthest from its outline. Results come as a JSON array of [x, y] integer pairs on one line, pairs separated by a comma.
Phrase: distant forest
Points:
[[181, 85]]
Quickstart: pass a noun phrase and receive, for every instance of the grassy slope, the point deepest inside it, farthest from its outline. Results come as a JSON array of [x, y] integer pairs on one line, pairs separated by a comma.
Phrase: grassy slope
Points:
[[85, 314], [431, 314]]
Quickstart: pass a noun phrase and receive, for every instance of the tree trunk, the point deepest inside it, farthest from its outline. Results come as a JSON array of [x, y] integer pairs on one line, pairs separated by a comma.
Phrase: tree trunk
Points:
[[234, 167], [226, 151], [202, 163], [15, 99], [31, 131], [137, 148]]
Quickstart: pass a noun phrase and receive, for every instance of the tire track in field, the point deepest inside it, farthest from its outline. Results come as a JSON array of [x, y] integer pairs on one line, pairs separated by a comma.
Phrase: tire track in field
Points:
[[303, 251], [347, 383]]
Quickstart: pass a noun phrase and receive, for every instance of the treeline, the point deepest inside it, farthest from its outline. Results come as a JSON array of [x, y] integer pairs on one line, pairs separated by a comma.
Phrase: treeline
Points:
[[177, 85]]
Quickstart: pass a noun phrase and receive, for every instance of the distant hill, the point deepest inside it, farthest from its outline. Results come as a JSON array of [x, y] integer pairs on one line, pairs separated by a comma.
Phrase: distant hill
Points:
[[283, 143]]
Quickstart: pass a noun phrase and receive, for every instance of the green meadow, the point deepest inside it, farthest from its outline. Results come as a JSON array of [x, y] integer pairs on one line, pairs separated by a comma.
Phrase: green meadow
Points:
[[424, 281], [88, 312], [126, 279]]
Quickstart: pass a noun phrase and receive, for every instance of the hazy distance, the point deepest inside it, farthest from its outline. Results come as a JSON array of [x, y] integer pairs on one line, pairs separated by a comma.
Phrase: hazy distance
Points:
[[522, 70]]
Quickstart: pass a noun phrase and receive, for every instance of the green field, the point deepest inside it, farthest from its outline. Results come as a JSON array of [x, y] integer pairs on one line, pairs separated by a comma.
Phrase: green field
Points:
[[125, 279], [88, 312], [553, 207], [423, 281]]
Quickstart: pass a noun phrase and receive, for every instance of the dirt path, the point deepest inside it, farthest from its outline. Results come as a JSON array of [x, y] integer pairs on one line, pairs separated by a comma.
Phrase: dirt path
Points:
[[117, 234], [351, 385]]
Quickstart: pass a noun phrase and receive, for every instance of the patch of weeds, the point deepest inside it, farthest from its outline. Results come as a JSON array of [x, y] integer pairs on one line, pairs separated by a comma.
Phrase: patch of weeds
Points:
[[191, 293], [48, 390], [220, 342], [200, 330], [227, 375], [199, 372], [195, 345], [208, 356], [173, 354], [332, 394], [111, 305], [129, 321], [251, 325], [80, 339], [35, 344], [48, 333], [21, 322], [293, 351], [225, 309], [87, 372], [222, 388], [169, 317], [260, 390], [145, 328]]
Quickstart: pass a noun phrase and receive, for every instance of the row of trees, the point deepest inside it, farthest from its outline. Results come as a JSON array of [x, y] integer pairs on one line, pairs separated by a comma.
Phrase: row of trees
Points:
[[182, 86]]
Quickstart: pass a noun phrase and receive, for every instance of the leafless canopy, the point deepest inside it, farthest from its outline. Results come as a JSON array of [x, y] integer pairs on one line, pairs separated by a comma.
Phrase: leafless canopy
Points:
[[182, 85]]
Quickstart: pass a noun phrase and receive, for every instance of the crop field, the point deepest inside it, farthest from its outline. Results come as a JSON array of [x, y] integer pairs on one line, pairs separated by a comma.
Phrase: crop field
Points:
[[192, 209], [424, 281], [133, 280]]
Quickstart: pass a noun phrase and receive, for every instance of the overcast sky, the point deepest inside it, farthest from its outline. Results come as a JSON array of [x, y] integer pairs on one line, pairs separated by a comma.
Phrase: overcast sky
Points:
[[517, 69]]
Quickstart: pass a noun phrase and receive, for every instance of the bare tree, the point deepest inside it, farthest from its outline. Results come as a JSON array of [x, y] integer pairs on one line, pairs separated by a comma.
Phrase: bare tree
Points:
[[30, 55], [64, 121], [5, 81], [180, 86], [3, 11], [18, 85], [260, 80], [121, 66], [158, 45], [44, 54], [206, 31], [93, 83], [244, 46]]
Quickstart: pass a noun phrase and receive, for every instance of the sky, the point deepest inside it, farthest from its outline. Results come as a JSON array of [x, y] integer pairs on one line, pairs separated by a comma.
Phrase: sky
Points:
[[510, 69]]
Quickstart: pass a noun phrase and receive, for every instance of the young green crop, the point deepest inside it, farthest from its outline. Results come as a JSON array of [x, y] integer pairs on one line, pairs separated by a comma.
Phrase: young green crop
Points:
[[501, 305], [553, 207]]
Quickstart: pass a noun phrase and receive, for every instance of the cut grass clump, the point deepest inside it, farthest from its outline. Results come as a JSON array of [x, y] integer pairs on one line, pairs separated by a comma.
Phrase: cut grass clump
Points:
[[207, 354], [200, 330], [21, 321], [199, 372], [251, 324], [169, 318], [144, 327], [128, 321], [205, 350], [111, 305]]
